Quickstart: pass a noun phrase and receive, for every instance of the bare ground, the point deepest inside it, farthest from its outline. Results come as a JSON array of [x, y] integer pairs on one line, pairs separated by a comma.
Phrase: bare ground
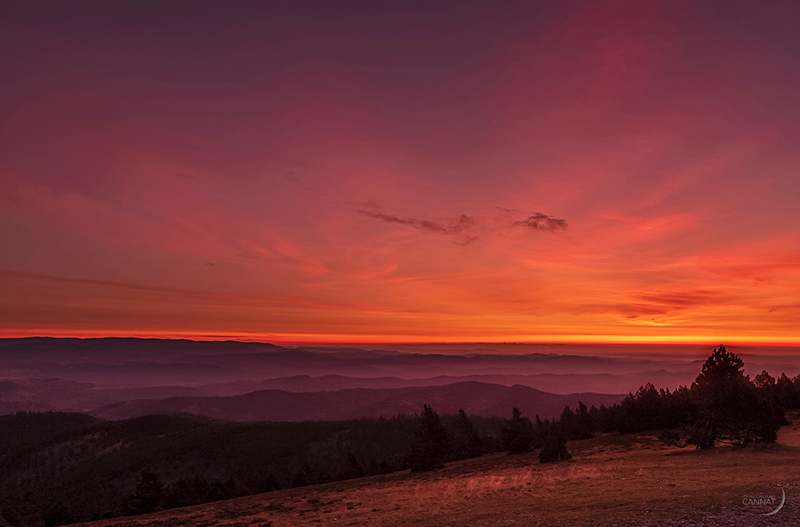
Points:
[[631, 480]]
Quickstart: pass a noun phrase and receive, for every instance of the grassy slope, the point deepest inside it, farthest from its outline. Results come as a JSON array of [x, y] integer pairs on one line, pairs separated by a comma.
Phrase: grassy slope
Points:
[[613, 480]]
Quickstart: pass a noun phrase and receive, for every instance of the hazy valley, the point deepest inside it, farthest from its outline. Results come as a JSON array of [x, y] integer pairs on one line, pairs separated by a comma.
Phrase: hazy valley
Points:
[[211, 421], [115, 377]]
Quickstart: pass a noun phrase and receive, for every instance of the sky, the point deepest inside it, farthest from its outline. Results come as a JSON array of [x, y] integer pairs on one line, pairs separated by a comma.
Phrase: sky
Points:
[[560, 171]]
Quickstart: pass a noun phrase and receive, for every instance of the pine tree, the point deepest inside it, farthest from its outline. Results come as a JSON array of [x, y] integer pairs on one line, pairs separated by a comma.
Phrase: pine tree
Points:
[[149, 495], [467, 443], [555, 445], [584, 427], [731, 407], [431, 444], [518, 433], [58, 515]]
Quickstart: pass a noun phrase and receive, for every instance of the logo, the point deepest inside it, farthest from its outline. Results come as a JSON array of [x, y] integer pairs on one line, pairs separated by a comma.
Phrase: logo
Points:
[[769, 503]]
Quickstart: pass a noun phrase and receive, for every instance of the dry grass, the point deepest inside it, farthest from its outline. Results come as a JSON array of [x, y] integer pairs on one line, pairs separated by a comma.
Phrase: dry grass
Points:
[[612, 480]]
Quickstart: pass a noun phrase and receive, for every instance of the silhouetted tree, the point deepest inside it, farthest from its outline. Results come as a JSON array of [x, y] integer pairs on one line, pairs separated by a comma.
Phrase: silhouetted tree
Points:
[[431, 444], [554, 447], [771, 397], [788, 394], [577, 425], [647, 409], [540, 429], [466, 441], [728, 406], [269, 484], [58, 515], [149, 495], [518, 433], [764, 381], [354, 469], [567, 420], [188, 491], [720, 391], [585, 425]]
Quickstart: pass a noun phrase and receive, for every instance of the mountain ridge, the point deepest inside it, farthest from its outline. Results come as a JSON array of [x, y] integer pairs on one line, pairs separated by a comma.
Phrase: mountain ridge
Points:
[[279, 405]]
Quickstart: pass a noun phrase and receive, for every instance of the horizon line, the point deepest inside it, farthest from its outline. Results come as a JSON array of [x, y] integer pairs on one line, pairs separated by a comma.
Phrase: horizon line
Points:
[[298, 339]]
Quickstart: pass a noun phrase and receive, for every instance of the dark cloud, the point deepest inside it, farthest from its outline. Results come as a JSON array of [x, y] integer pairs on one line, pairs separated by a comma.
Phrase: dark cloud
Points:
[[463, 223], [466, 240], [464, 226], [542, 222], [369, 204], [456, 226]]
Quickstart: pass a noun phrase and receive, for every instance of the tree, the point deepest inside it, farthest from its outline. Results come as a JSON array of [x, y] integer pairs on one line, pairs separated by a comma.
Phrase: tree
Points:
[[518, 433], [771, 396], [554, 447], [58, 515], [718, 391], [577, 425], [149, 495], [729, 406], [787, 392], [188, 491], [431, 444], [764, 381], [466, 442]]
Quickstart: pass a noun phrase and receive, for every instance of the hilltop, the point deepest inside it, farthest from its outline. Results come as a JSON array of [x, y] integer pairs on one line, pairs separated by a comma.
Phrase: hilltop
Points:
[[612, 480]]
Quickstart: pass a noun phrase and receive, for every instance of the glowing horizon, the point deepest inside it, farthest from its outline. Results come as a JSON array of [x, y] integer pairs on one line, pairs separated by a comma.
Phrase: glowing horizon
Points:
[[329, 339], [613, 172]]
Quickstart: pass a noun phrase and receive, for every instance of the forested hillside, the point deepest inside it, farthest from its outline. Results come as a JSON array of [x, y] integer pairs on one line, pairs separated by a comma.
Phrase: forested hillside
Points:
[[51, 462]]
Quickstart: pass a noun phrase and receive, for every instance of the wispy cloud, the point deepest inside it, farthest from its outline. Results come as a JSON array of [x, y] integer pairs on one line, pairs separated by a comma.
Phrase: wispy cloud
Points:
[[455, 226], [542, 222], [464, 226], [466, 240]]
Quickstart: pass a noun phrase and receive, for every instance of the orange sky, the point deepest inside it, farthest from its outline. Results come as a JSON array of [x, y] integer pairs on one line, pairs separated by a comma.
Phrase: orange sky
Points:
[[548, 172]]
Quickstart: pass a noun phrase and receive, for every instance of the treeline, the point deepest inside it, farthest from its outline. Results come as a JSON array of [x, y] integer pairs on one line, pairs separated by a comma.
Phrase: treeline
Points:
[[435, 444], [434, 441], [721, 405], [57, 468]]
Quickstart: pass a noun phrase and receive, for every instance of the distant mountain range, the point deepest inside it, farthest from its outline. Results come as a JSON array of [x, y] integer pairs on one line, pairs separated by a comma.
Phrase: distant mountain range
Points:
[[562, 383], [122, 377], [279, 405], [164, 362]]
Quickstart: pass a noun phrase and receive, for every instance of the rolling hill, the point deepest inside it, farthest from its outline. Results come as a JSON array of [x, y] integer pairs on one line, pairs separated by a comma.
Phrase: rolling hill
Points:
[[279, 405]]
